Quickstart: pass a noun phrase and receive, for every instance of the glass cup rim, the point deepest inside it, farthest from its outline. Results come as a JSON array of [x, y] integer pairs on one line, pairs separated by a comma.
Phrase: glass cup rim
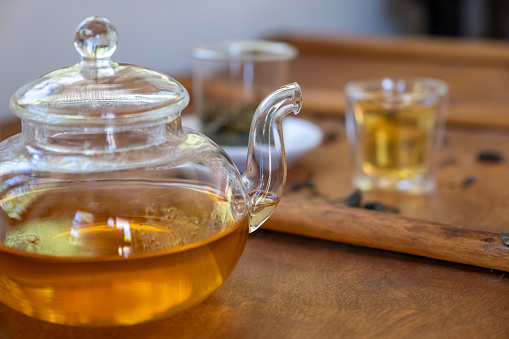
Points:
[[361, 88], [245, 50]]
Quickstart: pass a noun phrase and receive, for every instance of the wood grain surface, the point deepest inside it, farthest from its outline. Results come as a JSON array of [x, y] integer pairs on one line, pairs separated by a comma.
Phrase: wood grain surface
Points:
[[323, 176], [391, 232], [476, 71], [422, 49], [288, 286]]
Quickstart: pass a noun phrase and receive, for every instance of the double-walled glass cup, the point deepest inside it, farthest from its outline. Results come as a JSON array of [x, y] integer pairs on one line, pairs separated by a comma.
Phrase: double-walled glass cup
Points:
[[395, 128]]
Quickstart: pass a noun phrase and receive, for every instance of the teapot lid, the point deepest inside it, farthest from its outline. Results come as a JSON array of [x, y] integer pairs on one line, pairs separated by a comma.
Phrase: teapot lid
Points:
[[97, 89]]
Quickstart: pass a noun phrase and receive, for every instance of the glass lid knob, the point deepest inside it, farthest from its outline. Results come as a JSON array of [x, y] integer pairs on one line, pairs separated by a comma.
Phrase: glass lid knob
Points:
[[97, 90], [95, 38]]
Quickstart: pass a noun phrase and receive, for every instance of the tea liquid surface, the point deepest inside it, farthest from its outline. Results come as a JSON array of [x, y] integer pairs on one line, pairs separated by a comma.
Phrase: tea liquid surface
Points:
[[104, 254], [395, 140]]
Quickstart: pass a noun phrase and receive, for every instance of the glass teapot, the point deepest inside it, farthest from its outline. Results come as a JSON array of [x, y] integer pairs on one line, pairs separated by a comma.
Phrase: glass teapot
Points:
[[111, 212]]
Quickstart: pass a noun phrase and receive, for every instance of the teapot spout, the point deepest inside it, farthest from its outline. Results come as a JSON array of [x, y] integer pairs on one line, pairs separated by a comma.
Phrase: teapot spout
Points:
[[265, 173]]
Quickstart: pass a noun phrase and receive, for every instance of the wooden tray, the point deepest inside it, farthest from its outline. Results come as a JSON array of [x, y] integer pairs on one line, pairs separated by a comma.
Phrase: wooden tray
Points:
[[465, 218], [476, 70]]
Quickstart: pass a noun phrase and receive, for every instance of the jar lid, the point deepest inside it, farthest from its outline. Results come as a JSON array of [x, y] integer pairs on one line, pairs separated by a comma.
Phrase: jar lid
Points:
[[249, 50], [97, 90]]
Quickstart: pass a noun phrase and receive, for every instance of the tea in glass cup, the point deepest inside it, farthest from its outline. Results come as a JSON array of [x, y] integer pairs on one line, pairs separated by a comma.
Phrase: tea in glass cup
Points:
[[395, 127]]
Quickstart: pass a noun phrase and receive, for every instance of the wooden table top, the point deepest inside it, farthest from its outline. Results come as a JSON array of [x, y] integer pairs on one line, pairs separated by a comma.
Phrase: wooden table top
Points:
[[290, 286]]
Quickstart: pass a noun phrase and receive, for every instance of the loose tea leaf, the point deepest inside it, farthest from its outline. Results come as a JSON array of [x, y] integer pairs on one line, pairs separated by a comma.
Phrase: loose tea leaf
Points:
[[489, 156], [380, 207], [354, 199], [504, 237], [228, 125], [330, 137], [306, 183], [468, 181]]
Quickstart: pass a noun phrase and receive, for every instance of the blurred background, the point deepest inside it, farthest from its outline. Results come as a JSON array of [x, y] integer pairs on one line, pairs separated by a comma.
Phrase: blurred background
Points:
[[37, 36]]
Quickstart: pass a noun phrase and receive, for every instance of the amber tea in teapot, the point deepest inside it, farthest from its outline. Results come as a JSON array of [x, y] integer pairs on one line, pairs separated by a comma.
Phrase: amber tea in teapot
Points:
[[176, 258], [113, 213]]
